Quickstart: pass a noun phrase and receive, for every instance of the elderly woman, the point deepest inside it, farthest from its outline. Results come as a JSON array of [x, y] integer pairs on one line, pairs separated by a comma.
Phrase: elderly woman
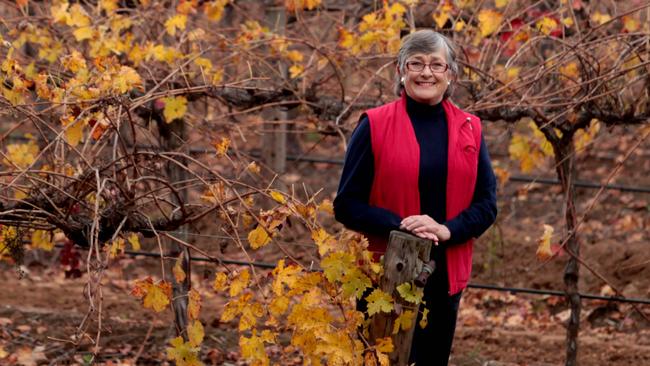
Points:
[[419, 164]]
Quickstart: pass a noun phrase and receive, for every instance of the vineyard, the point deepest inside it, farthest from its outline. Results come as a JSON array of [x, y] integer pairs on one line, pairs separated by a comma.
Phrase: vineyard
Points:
[[169, 167]]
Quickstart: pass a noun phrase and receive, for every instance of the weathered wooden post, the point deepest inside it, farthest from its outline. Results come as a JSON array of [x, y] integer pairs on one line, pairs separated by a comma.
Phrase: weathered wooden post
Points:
[[404, 261]]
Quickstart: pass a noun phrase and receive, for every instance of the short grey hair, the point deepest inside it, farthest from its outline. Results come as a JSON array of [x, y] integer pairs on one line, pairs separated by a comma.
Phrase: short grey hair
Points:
[[425, 41]]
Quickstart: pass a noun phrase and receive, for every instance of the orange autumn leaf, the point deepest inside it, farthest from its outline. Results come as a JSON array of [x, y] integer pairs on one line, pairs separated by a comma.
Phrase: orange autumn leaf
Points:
[[194, 304], [156, 296], [544, 250], [179, 273], [222, 146]]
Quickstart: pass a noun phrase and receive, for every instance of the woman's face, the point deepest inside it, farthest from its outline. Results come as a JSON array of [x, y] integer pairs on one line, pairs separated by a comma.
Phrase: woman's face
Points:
[[426, 77]]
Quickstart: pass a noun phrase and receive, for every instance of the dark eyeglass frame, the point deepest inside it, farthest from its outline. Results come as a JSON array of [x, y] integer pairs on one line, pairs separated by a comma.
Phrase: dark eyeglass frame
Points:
[[434, 67]]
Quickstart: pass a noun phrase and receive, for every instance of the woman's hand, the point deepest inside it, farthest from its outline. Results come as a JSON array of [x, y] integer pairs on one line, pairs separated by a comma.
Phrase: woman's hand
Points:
[[425, 227]]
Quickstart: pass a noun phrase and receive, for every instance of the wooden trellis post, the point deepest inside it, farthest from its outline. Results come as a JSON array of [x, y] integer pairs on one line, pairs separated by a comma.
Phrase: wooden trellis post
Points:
[[403, 262]]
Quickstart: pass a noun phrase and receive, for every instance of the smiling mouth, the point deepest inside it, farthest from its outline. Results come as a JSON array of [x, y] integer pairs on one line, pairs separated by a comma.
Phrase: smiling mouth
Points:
[[425, 83]]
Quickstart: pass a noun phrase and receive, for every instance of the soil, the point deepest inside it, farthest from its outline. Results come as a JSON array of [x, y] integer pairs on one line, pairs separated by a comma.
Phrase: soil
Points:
[[40, 309]]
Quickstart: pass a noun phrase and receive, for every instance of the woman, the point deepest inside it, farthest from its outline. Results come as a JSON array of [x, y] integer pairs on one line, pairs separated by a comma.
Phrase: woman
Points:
[[419, 164]]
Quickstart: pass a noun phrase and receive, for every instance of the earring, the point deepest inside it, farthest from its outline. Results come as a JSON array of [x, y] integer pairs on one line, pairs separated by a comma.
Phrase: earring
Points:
[[448, 82], [402, 80]]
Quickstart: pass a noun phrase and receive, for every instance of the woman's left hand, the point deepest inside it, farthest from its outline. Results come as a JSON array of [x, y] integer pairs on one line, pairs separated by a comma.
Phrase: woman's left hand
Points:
[[425, 227]]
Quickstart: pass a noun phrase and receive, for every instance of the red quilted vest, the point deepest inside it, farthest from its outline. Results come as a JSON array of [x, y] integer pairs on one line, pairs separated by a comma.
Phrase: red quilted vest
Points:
[[397, 161]]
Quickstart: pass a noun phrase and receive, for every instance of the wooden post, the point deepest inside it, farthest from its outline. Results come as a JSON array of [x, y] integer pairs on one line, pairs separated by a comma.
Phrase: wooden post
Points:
[[403, 262]]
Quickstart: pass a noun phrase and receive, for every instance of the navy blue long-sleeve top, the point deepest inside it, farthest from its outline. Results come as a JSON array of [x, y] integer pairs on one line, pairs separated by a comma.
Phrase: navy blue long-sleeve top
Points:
[[351, 205]]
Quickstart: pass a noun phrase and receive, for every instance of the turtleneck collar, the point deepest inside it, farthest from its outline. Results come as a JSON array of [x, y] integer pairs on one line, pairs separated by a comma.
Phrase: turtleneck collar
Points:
[[419, 110]]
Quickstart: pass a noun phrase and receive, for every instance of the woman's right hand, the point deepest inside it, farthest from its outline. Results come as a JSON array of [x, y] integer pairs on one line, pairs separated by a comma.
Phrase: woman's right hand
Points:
[[425, 227]]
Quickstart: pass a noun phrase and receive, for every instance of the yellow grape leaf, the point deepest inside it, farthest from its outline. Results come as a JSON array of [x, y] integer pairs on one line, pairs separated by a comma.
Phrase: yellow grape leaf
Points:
[[570, 70], [73, 130], [222, 147], [156, 295], [220, 282], [253, 168], [460, 24], [326, 206], [630, 24], [347, 39], [258, 237], [252, 350], [249, 315], [379, 301], [410, 292], [134, 241], [183, 353], [336, 265], [544, 250], [404, 321], [74, 62], [519, 149], [78, 17], [239, 283], [489, 21], [567, 22], [175, 108], [177, 22], [108, 5], [195, 333], [425, 318], [278, 197], [294, 56], [42, 239], [500, 3], [285, 276], [544, 145], [323, 240], [203, 63], [117, 247], [385, 345], [441, 16], [546, 25], [583, 137], [279, 305], [601, 18], [83, 33], [217, 77], [355, 283], [14, 96], [126, 80], [21, 155], [178, 272], [194, 304], [214, 9], [295, 71], [234, 307], [59, 12]]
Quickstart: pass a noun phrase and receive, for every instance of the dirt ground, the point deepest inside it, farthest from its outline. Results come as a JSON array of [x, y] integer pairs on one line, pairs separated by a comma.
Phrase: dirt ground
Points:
[[40, 310]]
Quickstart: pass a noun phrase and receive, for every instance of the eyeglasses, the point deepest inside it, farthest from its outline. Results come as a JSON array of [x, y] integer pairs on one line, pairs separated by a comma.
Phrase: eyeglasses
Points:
[[417, 66]]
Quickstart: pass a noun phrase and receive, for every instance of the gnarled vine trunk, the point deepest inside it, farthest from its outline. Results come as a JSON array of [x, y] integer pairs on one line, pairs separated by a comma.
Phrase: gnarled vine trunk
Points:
[[171, 139], [565, 165]]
